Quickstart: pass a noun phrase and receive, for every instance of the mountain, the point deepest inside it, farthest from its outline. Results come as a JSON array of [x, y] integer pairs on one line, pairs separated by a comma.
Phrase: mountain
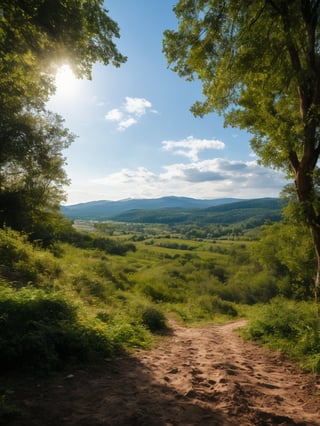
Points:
[[249, 213], [106, 210], [180, 210]]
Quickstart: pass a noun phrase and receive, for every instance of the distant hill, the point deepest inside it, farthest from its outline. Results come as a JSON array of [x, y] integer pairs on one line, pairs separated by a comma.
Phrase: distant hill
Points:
[[106, 210], [251, 212], [180, 210]]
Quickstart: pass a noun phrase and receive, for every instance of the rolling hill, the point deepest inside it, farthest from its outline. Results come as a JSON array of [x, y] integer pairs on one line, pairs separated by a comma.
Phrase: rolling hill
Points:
[[178, 210], [105, 210]]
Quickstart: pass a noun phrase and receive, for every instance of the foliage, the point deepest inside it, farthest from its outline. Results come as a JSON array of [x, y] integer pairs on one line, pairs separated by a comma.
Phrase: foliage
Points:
[[32, 176], [249, 287], [93, 303], [23, 264], [259, 66], [154, 320], [87, 302], [237, 220], [286, 249], [215, 305], [81, 33], [35, 39], [243, 212], [43, 332], [86, 240], [290, 327], [233, 48]]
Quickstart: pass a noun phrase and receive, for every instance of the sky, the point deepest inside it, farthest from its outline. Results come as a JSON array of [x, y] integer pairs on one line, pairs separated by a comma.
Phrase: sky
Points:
[[136, 136]]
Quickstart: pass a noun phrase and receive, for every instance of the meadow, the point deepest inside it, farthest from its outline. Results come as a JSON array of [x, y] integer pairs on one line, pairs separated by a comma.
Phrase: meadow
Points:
[[110, 288]]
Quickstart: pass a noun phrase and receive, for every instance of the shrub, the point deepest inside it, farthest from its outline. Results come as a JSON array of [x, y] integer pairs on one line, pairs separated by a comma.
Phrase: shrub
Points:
[[23, 264], [43, 332], [157, 293], [292, 327], [154, 320], [249, 287], [164, 289], [128, 335], [90, 287], [91, 241], [215, 305], [277, 320]]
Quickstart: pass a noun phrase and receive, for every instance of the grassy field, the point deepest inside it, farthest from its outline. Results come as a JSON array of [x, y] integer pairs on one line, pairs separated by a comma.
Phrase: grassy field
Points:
[[71, 304]]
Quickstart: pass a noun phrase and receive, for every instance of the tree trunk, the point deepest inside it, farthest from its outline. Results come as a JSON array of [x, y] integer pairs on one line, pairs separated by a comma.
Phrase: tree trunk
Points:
[[306, 195], [316, 241]]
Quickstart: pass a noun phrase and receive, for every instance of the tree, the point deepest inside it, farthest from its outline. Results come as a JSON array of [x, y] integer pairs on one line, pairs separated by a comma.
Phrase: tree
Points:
[[32, 180], [36, 37], [285, 251], [42, 34], [259, 63]]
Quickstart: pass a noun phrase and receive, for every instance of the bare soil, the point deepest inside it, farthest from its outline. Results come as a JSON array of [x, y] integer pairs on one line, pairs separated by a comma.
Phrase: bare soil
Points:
[[196, 376]]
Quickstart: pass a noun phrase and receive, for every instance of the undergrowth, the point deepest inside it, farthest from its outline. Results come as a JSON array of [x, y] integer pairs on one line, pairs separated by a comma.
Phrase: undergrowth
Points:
[[71, 304], [291, 327], [44, 332]]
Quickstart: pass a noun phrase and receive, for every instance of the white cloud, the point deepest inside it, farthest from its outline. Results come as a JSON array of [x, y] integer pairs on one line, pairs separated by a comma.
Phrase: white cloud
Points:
[[138, 183], [218, 171], [127, 122], [190, 147], [137, 106], [214, 178], [114, 115], [130, 112], [125, 176], [253, 155]]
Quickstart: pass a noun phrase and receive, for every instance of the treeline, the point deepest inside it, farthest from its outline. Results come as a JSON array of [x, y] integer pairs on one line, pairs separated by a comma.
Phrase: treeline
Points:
[[92, 241], [248, 214], [248, 230]]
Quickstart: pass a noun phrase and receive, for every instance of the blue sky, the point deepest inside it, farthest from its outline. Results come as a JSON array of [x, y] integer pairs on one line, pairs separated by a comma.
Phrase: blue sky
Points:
[[136, 137]]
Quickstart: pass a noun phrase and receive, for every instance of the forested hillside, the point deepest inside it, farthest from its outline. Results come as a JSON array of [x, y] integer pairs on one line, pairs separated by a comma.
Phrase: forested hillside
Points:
[[175, 210], [251, 213], [103, 210]]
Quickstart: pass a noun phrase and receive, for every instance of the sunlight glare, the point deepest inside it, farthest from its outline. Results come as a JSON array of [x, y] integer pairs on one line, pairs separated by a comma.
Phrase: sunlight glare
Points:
[[66, 82]]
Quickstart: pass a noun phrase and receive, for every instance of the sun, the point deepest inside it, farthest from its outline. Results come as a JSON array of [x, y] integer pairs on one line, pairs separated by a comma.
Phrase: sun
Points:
[[65, 81]]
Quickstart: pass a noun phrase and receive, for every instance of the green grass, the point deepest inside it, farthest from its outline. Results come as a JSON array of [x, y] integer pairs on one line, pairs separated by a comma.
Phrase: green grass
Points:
[[75, 304], [289, 326]]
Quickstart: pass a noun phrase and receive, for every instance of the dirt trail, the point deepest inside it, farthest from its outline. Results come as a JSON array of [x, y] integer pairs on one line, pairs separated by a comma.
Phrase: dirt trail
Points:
[[196, 376]]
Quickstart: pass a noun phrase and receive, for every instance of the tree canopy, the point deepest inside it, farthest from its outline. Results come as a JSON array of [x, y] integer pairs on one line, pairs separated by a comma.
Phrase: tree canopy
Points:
[[259, 64], [36, 38]]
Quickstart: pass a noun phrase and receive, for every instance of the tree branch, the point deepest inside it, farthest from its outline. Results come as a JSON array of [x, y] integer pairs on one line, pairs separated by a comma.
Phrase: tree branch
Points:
[[294, 161]]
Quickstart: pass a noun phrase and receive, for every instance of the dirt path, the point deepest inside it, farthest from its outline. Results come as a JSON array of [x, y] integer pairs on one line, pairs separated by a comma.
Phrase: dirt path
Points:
[[197, 376]]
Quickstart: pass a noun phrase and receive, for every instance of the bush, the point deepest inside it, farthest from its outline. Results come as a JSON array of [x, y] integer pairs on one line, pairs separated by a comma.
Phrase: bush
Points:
[[91, 241], [157, 293], [23, 264], [154, 320], [127, 334], [39, 332], [277, 320], [292, 327], [90, 287], [215, 305], [249, 287], [162, 292]]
